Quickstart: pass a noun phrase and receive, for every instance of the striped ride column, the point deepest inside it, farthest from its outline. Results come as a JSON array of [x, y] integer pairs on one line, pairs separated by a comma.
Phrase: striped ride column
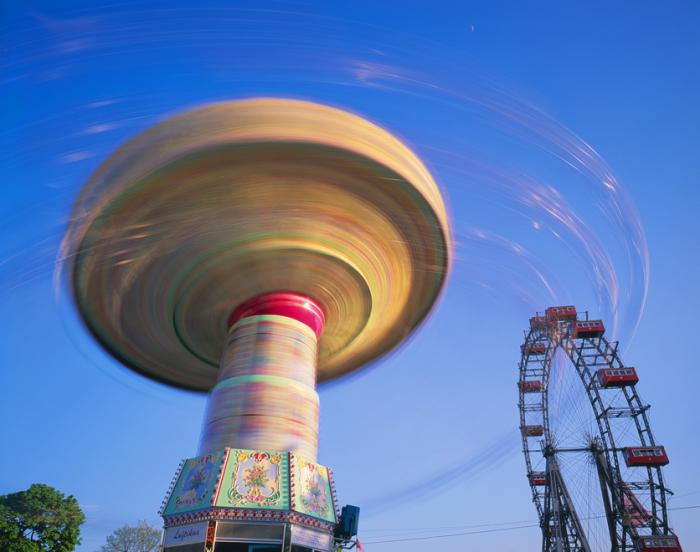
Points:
[[265, 397]]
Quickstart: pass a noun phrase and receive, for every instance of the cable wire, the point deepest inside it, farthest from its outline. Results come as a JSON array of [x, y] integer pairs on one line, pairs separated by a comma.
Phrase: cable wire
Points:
[[497, 530]]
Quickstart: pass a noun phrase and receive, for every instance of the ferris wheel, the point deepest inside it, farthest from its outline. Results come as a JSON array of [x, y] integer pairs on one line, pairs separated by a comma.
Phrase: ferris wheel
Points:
[[593, 464]]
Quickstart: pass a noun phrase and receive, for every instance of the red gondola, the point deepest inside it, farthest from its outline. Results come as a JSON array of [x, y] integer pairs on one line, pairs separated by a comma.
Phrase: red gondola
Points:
[[588, 328], [538, 322], [537, 478], [532, 386], [533, 349], [617, 377], [645, 456], [658, 543], [532, 430], [635, 512], [560, 313]]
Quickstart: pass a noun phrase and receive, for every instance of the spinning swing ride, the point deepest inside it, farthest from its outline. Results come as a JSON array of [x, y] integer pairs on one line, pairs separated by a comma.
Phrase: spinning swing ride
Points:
[[593, 463], [252, 249]]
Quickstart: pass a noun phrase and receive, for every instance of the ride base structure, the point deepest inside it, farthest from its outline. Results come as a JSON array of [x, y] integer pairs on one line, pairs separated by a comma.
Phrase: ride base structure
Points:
[[265, 396], [235, 498], [251, 250], [593, 464]]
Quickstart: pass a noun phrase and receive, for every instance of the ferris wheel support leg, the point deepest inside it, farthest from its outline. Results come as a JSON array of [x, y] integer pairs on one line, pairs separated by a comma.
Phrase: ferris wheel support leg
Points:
[[606, 490], [564, 512], [554, 510]]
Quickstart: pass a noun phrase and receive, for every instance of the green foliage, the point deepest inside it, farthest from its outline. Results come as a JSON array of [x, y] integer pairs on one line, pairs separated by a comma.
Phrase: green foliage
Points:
[[142, 538], [40, 519]]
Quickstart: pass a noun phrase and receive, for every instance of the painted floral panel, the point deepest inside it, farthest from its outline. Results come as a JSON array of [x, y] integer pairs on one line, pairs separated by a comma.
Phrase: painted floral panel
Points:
[[313, 490], [194, 487], [255, 479]]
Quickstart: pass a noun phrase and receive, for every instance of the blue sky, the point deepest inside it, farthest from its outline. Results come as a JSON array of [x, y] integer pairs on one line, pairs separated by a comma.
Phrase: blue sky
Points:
[[565, 140]]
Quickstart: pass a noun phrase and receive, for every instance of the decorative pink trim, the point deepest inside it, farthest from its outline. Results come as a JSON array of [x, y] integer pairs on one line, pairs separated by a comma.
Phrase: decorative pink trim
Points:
[[292, 483], [173, 482], [244, 514], [220, 477], [334, 498]]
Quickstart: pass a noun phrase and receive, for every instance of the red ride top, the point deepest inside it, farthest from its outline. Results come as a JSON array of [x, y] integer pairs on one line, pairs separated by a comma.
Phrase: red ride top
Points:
[[283, 303]]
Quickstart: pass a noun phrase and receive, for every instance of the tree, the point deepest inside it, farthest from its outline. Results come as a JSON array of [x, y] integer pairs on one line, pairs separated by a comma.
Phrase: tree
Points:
[[40, 519], [142, 538]]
